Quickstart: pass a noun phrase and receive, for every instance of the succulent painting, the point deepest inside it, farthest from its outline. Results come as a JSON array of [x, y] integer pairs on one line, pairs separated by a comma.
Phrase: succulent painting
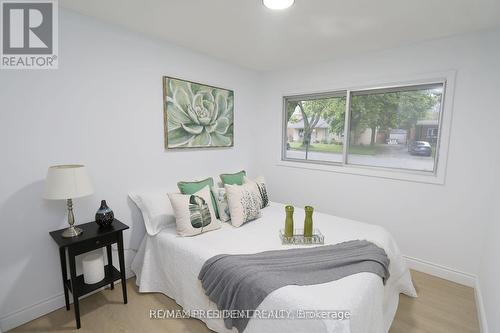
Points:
[[197, 115], [199, 212]]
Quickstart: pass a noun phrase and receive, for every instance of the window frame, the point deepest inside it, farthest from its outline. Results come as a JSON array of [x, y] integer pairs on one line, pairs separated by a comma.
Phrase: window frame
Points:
[[437, 176]]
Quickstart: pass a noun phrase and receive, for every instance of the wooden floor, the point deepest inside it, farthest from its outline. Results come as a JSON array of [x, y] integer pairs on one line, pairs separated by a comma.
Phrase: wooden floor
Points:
[[442, 306]]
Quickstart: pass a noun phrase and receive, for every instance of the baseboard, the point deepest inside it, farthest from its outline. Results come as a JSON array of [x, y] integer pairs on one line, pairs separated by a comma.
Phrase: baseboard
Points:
[[481, 313], [31, 312], [41, 308], [440, 271]]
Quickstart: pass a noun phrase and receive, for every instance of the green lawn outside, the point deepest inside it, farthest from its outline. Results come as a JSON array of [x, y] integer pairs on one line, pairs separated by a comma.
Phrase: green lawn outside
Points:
[[332, 148]]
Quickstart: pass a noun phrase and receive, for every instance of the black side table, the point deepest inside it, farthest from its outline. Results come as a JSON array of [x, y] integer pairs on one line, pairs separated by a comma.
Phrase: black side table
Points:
[[92, 238]]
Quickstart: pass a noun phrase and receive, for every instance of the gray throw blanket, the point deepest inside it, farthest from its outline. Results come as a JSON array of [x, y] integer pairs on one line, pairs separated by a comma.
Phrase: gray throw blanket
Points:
[[242, 282]]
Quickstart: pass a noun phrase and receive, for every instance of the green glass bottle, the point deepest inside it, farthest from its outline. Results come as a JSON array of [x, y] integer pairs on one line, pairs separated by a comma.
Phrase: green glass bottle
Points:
[[289, 221], [308, 221]]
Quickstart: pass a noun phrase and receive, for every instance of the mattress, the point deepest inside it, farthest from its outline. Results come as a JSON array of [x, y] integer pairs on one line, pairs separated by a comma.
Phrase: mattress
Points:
[[170, 264]]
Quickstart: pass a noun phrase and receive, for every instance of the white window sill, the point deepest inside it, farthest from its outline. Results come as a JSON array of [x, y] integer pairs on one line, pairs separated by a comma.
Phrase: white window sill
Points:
[[397, 174]]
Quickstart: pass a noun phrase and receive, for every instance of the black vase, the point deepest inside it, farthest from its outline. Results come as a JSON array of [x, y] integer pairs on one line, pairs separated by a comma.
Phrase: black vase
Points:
[[104, 216]]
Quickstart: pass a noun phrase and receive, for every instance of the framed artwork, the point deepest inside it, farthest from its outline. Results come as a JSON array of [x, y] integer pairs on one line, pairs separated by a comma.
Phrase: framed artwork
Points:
[[197, 115]]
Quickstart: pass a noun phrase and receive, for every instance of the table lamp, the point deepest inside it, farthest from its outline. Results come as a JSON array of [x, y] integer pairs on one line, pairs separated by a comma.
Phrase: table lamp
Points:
[[67, 182]]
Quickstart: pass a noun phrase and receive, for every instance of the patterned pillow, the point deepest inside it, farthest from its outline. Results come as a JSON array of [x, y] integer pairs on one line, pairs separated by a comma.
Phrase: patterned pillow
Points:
[[244, 203], [260, 187], [195, 186], [219, 193], [194, 213]]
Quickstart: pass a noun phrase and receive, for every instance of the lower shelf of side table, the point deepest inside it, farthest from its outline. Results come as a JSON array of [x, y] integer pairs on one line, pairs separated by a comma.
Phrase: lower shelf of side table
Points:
[[111, 274]]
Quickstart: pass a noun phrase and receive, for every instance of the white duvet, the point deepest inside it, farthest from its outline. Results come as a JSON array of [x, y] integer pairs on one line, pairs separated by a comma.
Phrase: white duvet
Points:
[[170, 264]]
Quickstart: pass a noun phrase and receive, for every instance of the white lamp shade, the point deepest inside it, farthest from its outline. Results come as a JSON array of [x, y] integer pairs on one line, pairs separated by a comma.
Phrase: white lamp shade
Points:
[[67, 182]]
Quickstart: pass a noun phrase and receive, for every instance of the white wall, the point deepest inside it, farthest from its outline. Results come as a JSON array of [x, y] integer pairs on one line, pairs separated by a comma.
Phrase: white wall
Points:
[[102, 107], [489, 274], [442, 224]]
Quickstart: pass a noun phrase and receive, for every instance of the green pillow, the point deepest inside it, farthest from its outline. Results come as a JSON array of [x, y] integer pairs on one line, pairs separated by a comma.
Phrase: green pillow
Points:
[[193, 187], [233, 178]]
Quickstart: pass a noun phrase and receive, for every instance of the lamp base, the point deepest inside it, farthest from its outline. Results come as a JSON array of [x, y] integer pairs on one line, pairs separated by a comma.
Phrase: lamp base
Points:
[[72, 232]]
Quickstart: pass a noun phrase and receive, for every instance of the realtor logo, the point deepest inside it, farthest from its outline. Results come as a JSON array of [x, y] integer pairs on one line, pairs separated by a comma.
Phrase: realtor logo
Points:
[[29, 34]]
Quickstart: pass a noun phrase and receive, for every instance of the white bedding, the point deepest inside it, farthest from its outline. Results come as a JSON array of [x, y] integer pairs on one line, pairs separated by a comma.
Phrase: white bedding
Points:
[[170, 264]]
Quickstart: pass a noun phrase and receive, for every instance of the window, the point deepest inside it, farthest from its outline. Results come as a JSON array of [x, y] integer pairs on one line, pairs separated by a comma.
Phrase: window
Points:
[[315, 127], [432, 132], [392, 128]]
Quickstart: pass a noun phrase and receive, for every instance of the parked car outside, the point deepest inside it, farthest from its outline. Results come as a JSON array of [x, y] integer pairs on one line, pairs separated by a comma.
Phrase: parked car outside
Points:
[[420, 148]]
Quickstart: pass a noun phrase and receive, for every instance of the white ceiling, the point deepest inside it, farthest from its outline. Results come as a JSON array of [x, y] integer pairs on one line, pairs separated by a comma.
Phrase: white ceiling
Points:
[[246, 33]]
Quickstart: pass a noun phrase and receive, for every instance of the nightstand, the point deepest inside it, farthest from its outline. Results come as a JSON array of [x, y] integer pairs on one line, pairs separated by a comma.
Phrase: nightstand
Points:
[[92, 238]]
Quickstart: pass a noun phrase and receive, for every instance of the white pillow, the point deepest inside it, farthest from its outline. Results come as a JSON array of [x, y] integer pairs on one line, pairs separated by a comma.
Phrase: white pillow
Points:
[[156, 210], [260, 187], [222, 204], [244, 203], [194, 213]]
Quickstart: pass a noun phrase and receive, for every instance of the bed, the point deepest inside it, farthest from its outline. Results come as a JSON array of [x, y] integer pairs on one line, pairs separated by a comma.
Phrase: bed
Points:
[[170, 264]]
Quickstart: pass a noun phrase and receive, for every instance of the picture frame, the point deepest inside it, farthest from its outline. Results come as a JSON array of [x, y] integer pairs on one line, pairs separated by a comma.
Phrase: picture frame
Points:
[[197, 115]]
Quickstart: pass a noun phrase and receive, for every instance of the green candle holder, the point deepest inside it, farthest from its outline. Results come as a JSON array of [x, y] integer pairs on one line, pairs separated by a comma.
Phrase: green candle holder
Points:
[[289, 221], [308, 221]]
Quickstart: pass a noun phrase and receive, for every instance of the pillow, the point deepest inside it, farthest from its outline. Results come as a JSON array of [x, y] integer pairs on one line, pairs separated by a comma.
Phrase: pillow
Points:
[[194, 213], [233, 178], [260, 186], [157, 212], [222, 204], [244, 203], [193, 187]]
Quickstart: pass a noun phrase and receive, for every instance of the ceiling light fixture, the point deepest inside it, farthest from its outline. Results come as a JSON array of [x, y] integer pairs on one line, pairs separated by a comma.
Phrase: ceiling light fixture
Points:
[[278, 4]]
